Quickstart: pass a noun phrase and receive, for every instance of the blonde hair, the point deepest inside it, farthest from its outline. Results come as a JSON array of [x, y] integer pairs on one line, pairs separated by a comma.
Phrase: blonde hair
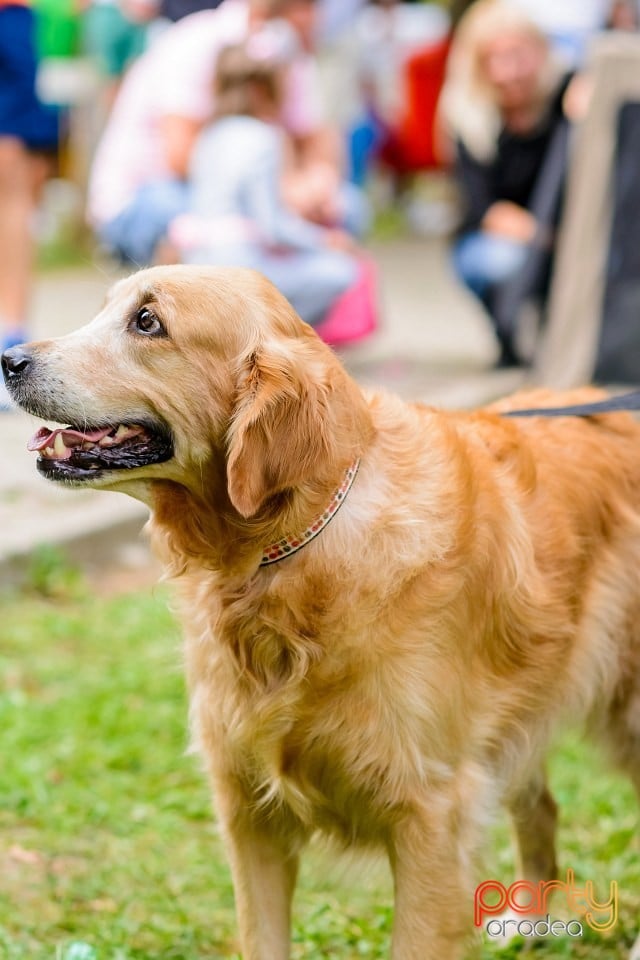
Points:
[[241, 79], [468, 107]]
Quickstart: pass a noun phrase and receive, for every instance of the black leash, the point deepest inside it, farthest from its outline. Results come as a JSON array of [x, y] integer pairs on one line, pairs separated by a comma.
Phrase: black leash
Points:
[[625, 401]]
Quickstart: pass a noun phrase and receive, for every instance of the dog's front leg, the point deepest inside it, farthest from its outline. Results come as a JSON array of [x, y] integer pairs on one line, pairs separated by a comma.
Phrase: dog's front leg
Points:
[[433, 900], [264, 867]]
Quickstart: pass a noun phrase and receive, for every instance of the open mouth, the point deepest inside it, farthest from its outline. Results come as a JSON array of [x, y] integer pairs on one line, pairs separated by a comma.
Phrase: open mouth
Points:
[[68, 453]]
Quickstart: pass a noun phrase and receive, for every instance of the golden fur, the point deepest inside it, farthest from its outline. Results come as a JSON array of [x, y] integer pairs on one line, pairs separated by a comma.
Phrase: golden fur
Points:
[[400, 676]]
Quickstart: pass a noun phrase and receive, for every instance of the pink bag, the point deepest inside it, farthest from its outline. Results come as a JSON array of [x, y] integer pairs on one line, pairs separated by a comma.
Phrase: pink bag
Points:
[[354, 315]]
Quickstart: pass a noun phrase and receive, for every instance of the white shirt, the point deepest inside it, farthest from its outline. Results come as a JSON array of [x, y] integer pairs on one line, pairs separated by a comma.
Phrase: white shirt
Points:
[[176, 77]]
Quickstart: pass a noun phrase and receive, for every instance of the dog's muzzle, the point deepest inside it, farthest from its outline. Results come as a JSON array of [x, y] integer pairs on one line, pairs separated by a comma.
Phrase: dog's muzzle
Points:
[[84, 451]]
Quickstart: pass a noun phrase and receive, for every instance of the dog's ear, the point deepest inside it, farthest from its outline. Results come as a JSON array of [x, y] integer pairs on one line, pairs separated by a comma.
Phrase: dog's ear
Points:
[[297, 414]]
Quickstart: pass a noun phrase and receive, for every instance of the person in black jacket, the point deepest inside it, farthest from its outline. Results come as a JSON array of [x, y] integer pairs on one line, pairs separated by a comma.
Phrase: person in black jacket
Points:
[[504, 103]]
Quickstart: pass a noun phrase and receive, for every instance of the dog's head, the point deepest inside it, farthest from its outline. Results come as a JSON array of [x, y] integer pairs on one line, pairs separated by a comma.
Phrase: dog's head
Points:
[[184, 370]]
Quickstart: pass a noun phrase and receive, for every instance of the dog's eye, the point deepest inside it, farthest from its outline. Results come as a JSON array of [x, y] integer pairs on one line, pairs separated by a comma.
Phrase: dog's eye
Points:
[[146, 323]]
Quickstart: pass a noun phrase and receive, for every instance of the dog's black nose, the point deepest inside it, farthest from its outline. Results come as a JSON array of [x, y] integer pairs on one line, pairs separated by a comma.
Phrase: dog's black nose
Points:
[[15, 361]]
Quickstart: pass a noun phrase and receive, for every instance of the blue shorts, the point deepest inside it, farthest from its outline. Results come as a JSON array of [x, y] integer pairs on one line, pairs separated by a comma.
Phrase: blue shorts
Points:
[[22, 115]]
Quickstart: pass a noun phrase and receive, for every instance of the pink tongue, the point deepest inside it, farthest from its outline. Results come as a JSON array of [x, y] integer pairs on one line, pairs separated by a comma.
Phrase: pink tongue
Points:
[[72, 438]]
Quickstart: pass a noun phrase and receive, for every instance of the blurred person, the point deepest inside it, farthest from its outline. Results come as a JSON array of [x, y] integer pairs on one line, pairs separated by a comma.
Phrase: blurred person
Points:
[[114, 35], [28, 136], [569, 24], [137, 184], [505, 102], [624, 15], [315, 183], [239, 215]]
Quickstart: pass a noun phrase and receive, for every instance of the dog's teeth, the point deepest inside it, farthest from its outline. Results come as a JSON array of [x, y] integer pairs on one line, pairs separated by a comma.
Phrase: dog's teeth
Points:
[[49, 452], [59, 447], [121, 431]]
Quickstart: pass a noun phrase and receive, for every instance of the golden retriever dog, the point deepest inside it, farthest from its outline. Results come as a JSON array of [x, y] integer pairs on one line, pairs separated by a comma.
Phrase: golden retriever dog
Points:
[[388, 608]]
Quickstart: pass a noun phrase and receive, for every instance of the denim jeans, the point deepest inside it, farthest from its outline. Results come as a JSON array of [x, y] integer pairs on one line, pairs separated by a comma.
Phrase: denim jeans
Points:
[[135, 233], [483, 261]]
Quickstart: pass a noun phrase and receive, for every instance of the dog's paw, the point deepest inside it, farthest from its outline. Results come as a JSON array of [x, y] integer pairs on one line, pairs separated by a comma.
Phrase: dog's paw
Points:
[[635, 950]]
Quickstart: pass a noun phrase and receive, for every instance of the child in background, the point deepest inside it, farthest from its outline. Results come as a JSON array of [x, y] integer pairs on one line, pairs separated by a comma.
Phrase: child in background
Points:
[[238, 215]]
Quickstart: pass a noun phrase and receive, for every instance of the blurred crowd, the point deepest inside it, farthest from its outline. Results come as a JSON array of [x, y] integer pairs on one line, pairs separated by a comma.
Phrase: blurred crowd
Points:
[[248, 131]]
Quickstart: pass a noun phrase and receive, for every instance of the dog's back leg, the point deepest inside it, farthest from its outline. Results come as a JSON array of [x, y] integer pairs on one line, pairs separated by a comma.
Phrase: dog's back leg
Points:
[[622, 734], [620, 726], [635, 776], [635, 950], [534, 815]]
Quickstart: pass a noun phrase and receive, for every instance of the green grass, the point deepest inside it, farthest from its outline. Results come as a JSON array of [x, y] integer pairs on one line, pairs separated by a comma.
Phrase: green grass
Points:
[[108, 849], [75, 247]]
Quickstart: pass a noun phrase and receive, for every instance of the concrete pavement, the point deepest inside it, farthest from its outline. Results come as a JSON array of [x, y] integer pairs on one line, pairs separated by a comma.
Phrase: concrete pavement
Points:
[[434, 345]]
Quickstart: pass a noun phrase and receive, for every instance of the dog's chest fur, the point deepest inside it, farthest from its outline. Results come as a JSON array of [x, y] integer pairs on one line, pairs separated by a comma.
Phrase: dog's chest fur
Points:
[[276, 698]]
